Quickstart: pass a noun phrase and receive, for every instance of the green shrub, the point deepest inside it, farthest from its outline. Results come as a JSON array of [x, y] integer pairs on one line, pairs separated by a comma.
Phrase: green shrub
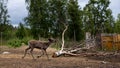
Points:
[[14, 43], [18, 42], [25, 40]]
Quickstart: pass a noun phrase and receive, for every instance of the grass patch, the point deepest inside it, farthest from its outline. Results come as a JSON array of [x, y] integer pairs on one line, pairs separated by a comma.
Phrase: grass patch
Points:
[[18, 42]]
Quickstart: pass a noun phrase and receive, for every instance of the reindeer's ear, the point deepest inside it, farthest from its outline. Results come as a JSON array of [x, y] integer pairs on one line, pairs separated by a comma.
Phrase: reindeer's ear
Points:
[[50, 39]]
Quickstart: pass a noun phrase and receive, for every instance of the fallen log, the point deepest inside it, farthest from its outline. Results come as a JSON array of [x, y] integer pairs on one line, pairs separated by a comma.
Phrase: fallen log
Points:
[[63, 53], [72, 51], [68, 52]]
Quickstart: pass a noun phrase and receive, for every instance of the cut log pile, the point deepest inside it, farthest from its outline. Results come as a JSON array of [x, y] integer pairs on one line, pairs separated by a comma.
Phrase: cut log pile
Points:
[[74, 51], [89, 48], [86, 51]]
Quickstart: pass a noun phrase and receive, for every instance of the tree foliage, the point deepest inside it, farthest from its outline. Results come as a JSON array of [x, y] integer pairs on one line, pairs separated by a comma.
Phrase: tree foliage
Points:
[[5, 26], [38, 17], [46, 18], [98, 16], [75, 24], [117, 24], [57, 15], [22, 31]]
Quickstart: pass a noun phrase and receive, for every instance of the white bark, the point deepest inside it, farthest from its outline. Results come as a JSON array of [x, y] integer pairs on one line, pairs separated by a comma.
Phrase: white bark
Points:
[[63, 42]]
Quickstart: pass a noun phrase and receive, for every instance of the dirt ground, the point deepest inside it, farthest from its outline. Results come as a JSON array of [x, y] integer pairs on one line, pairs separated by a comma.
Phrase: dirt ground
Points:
[[14, 60]]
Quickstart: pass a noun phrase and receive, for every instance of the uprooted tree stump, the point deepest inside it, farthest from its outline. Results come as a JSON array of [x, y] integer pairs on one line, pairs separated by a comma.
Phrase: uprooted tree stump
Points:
[[73, 52], [62, 51]]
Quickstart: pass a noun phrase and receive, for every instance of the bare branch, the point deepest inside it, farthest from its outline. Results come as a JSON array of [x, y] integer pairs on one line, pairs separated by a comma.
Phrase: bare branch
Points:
[[66, 27]]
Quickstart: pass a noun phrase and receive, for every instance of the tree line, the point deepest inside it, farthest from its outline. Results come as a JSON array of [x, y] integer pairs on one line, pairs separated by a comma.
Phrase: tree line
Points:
[[46, 18]]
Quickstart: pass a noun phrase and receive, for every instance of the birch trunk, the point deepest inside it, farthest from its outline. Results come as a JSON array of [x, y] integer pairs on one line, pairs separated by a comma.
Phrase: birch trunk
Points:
[[63, 42], [61, 52]]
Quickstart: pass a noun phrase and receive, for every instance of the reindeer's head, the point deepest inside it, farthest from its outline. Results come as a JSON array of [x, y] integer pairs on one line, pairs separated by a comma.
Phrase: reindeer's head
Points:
[[52, 40]]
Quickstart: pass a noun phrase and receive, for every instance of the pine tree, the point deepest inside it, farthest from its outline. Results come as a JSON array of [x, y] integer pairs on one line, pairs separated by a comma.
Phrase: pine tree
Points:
[[75, 25], [98, 16], [5, 26], [117, 24], [57, 9], [38, 17]]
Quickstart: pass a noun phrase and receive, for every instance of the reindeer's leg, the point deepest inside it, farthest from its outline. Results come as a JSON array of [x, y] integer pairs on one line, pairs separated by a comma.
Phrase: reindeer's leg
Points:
[[46, 54], [26, 51], [41, 54], [32, 53]]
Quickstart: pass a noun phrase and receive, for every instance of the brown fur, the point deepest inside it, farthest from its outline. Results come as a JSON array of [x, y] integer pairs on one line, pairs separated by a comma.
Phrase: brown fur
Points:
[[43, 45]]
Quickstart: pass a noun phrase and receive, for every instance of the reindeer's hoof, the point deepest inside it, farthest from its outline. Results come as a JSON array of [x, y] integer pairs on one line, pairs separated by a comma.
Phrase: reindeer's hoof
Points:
[[22, 57], [48, 59], [34, 59], [38, 56]]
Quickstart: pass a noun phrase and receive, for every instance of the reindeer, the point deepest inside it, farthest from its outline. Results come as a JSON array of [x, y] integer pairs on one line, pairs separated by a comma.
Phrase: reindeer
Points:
[[39, 45]]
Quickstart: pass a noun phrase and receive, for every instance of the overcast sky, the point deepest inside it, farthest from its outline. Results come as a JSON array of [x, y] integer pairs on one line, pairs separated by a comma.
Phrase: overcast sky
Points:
[[17, 9]]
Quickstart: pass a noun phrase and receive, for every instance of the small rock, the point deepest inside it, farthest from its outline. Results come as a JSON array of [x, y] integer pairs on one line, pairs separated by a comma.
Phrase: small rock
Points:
[[103, 62], [87, 67], [6, 52]]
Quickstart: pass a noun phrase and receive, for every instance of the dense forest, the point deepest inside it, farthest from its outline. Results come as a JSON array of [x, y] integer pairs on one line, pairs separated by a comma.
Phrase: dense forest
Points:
[[46, 18]]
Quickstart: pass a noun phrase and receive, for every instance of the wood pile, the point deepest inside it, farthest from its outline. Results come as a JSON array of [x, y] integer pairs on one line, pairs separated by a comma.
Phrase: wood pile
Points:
[[75, 50], [110, 41]]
